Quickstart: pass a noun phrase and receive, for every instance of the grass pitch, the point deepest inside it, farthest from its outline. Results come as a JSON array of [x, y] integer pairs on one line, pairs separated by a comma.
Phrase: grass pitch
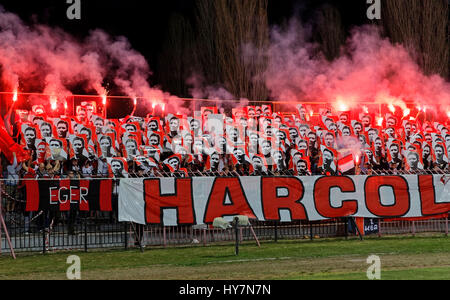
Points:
[[402, 258]]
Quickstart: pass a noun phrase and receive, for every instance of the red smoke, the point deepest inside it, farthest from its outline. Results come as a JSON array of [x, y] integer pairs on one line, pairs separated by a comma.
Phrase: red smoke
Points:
[[370, 69]]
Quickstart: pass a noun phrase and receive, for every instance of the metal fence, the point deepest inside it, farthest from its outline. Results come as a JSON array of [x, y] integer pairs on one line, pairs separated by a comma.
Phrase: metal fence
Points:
[[46, 233]]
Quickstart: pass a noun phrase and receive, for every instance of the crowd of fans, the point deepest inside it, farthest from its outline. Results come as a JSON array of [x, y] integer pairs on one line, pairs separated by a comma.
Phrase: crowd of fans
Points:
[[251, 141]]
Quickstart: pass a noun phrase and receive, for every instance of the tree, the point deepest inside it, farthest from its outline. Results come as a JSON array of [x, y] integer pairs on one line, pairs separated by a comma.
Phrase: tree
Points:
[[422, 27], [230, 46]]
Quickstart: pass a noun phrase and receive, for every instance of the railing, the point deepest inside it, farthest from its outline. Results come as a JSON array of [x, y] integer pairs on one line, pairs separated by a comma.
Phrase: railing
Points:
[[72, 230], [102, 230]]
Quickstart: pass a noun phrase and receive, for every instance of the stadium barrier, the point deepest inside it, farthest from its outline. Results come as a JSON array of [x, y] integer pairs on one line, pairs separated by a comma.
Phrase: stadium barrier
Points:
[[46, 230]]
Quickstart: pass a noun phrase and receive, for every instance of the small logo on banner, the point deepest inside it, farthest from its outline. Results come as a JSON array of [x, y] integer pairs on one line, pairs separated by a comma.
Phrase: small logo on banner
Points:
[[445, 195]]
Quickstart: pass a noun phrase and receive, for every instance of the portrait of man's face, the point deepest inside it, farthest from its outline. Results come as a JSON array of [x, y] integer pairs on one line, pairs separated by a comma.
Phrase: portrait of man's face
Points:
[[130, 128], [188, 139], [214, 160], [302, 111], [105, 144], [302, 166], [327, 157], [333, 127], [394, 151], [362, 139], [116, 167], [253, 139], [90, 109], [62, 128], [343, 118], [154, 140], [428, 138], [439, 152], [40, 149], [391, 122], [302, 145], [173, 162], [357, 128], [277, 156], [408, 129], [329, 140], [174, 124], [234, 133], [30, 136], [369, 154], [37, 120], [86, 132], [46, 130], [378, 144], [206, 113], [346, 131], [281, 135], [195, 124], [55, 147], [257, 162], [266, 147], [426, 151], [390, 132], [372, 134], [312, 138], [131, 147], [78, 146], [238, 153], [413, 160], [366, 121], [251, 113], [98, 123], [153, 125], [268, 131], [81, 113], [293, 134]]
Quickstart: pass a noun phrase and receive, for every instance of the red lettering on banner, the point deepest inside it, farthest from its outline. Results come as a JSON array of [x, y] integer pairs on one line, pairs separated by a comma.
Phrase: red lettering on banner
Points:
[[428, 197], [272, 202], [217, 207], [401, 196], [181, 200], [322, 197]]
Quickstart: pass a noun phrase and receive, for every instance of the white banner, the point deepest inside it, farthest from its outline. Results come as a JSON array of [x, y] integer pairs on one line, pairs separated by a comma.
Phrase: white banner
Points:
[[171, 201]]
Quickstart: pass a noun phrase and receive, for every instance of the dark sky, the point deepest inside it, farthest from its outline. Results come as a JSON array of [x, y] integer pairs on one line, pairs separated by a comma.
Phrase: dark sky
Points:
[[144, 23]]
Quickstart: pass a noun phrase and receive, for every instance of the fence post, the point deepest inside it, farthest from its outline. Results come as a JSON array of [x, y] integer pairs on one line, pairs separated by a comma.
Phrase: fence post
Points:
[[125, 225], [276, 231], [43, 239], [413, 228], [85, 235], [164, 236], [379, 227], [346, 228], [446, 226]]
